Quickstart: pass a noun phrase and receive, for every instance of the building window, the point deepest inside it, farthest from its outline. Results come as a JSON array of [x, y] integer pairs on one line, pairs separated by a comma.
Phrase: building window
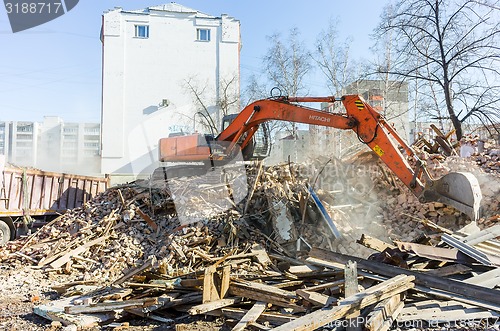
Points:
[[203, 34], [142, 31]]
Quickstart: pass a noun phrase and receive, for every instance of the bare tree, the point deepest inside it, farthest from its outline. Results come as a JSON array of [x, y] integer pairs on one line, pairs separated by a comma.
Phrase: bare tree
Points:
[[213, 105], [287, 63], [254, 90], [333, 58], [453, 46]]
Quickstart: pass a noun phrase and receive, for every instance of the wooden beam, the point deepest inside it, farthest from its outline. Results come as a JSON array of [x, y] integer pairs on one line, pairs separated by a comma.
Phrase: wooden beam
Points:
[[467, 290], [449, 270]]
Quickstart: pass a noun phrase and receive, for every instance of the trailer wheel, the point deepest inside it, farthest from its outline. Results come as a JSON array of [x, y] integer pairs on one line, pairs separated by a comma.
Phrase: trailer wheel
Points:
[[5, 233]]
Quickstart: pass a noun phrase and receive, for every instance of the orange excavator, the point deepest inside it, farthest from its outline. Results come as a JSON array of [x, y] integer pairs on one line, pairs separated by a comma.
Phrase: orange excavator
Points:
[[457, 189]]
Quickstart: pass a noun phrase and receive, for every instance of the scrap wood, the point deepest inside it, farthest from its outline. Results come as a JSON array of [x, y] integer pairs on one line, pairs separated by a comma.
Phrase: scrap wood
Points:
[[360, 300], [374, 243], [59, 262], [213, 305], [110, 306], [384, 313], [435, 253], [449, 270], [251, 316], [147, 265], [470, 291], [54, 311], [270, 317], [315, 298], [147, 219], [267, 293], [146, 311], [185, 300]]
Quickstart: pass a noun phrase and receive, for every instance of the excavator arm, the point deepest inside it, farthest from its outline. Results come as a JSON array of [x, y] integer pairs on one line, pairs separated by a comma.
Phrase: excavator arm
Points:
[[460, 190]]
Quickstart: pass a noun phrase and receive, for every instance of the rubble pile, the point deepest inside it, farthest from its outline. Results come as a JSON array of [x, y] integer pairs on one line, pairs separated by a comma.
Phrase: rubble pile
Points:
[[489, 161]]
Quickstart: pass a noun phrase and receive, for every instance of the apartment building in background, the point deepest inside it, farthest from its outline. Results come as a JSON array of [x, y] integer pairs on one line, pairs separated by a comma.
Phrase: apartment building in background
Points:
[[52, 145], [158, 64]]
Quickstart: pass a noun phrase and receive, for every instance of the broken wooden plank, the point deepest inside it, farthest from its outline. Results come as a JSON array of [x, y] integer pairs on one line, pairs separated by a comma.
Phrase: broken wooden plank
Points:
[[59, 262], [435, 253], [386, 325], [449, 270], [185, 300], [162, 301], [147, 219], [326, 285], [269, 317], [54, 311], [210, 292], [213, 305], [360, 300], [147, 265], [226, 278], [266, 293], [251, 316], [450, 285], [374, 243], [110, 306], [315, 298]]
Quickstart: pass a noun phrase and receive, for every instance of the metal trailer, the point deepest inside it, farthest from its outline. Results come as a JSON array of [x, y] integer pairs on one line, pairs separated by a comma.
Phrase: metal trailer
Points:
[[30, 194]]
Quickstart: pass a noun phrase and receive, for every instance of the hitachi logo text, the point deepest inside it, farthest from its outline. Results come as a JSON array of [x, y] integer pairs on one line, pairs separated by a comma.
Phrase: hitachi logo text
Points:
[[319, 118]]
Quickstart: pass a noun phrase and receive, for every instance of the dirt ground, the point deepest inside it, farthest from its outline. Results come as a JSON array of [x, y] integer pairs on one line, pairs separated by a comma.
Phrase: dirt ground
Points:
[[21, 288]]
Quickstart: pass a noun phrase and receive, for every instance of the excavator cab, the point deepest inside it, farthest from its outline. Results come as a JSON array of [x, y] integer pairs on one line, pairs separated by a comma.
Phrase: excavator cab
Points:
[[260, 145]]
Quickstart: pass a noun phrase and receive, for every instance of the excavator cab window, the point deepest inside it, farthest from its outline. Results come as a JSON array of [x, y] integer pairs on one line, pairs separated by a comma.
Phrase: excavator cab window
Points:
[[226, 120]]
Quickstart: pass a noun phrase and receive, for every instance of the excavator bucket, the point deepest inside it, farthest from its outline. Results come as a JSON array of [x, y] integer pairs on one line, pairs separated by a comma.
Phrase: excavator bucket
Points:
[[457, 189]]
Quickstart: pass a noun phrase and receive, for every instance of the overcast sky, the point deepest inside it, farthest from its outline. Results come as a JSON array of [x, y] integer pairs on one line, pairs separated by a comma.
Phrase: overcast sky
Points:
[[55, 68]]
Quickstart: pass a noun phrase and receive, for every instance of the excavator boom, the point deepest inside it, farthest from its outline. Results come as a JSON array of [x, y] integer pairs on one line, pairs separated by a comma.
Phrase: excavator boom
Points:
[[460, 190]]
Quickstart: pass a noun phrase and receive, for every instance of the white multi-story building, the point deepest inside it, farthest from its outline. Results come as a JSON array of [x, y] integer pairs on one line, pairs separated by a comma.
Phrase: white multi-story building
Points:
[[161, 66]]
